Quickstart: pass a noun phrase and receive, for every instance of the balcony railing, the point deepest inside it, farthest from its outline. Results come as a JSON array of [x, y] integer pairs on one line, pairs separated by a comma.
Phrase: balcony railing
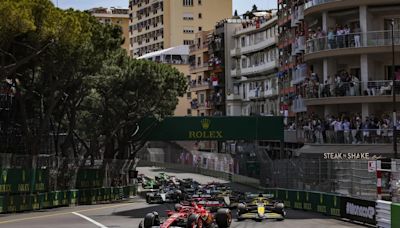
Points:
[[312, 3], [196, 84], [262, 67], [299, 105], [353, 40], [352, 136], [355, 88]]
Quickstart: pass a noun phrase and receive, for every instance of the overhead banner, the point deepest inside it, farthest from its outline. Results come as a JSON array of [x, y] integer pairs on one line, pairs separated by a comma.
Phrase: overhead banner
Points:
[[210, 128]]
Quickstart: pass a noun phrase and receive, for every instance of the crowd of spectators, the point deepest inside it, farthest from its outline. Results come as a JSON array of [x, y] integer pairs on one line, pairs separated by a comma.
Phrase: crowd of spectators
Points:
[[342, 84], [342, 36], [347, 129]]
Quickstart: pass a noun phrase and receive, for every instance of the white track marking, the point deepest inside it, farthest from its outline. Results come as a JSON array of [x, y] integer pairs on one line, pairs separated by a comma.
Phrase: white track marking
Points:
[[90, 220]]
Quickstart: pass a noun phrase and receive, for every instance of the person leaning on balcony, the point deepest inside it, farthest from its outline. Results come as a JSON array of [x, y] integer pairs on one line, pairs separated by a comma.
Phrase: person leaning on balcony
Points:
[[331, 39], [340, 36], [346, 31], [321, 40], [357, 37], [346, 131]]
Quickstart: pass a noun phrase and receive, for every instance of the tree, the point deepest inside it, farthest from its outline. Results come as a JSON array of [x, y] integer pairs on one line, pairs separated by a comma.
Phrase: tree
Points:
[[126, 91]]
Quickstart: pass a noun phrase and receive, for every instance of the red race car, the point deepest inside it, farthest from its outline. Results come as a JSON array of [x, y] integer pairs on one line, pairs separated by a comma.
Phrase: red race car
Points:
[[193, 216]]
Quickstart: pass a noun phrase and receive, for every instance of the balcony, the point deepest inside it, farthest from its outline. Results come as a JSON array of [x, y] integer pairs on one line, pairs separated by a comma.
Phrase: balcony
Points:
[[354, 43], [261, 68], [257, 46], [297, 16], [198, 86], [318, 6], [236, 73], [351, 92], [316, 135], [299, 74], [232, 97], [204, 106], [194, 48], [299, 105], [271, 92], [200, 68]]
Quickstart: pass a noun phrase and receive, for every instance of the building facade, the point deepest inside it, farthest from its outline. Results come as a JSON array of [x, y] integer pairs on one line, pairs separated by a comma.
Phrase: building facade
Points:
[[201, 84], [160, 24], [336, 63], [254, 58], [114, 16]]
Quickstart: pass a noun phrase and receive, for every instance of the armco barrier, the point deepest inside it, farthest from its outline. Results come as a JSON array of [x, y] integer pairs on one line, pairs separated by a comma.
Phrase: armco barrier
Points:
[[395, 215], [12, 203], [2, 208], [383, 213]]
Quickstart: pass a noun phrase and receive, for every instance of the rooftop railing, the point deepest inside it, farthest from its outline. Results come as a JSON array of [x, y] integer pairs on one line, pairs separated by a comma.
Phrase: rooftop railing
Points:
[[312, 3]]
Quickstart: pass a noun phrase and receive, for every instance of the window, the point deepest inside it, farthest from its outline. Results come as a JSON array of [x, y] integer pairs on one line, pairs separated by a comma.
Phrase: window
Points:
[[201, 98], [189, 112], [188, 30], [200, 28], [189, 95], [188, 42], [199, 1], [187, 2], [188, 16], [200, 15]]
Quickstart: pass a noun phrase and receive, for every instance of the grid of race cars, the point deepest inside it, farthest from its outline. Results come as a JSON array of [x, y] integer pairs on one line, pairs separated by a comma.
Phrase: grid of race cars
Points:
[[204, 205]]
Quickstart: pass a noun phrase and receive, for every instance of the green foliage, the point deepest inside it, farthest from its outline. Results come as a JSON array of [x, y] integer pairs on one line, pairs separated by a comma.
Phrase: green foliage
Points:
[[72, 76]]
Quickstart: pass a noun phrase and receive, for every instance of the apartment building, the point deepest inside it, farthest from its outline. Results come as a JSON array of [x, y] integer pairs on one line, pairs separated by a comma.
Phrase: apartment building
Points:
[[160, 24], [202, 84], [114, 16], [292, 67], [254, 58], [340, 68], [177, 57]]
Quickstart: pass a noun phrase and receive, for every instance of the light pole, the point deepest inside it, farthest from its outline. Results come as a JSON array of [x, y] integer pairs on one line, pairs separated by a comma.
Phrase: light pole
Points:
[[394, 96]]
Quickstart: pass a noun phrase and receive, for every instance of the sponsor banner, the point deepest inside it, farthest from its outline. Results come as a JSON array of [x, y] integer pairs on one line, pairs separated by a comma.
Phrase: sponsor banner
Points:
[[395, 215], [23, 180], [358, 210], [211, 128], [89, 178]]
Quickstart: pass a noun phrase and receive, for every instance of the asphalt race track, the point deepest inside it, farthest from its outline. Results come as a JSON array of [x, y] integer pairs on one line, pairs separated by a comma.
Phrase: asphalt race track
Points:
[[128, 214]]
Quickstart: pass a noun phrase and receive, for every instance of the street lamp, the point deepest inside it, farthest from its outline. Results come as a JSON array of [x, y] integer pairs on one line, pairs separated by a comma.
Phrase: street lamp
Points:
[[394, 96]]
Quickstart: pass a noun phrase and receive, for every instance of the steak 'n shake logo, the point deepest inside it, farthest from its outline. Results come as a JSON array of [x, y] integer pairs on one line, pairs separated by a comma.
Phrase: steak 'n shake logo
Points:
[[205, 133]]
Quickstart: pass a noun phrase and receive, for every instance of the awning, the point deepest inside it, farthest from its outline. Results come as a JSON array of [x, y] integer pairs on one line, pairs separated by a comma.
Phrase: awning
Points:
[[178, 50]]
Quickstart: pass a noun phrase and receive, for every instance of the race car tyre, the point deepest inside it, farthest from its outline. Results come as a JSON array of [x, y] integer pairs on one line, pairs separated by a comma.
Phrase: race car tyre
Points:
[[141, 224], [151, 219], [241, 208], [223, 218], [178, 207], [194, 221]]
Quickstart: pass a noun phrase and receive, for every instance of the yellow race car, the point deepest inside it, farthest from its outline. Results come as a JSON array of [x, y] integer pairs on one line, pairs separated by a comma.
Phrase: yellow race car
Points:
[[261, 207]]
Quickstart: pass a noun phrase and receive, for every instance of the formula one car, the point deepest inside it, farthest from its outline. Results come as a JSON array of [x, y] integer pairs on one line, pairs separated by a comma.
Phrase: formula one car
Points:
[[149, 183], [162, 177], [260, 208], [164, 195], [189, 217]]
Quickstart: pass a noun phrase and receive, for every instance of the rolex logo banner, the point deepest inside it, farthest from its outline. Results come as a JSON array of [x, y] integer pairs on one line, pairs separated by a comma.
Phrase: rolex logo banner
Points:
[[20, 180]]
